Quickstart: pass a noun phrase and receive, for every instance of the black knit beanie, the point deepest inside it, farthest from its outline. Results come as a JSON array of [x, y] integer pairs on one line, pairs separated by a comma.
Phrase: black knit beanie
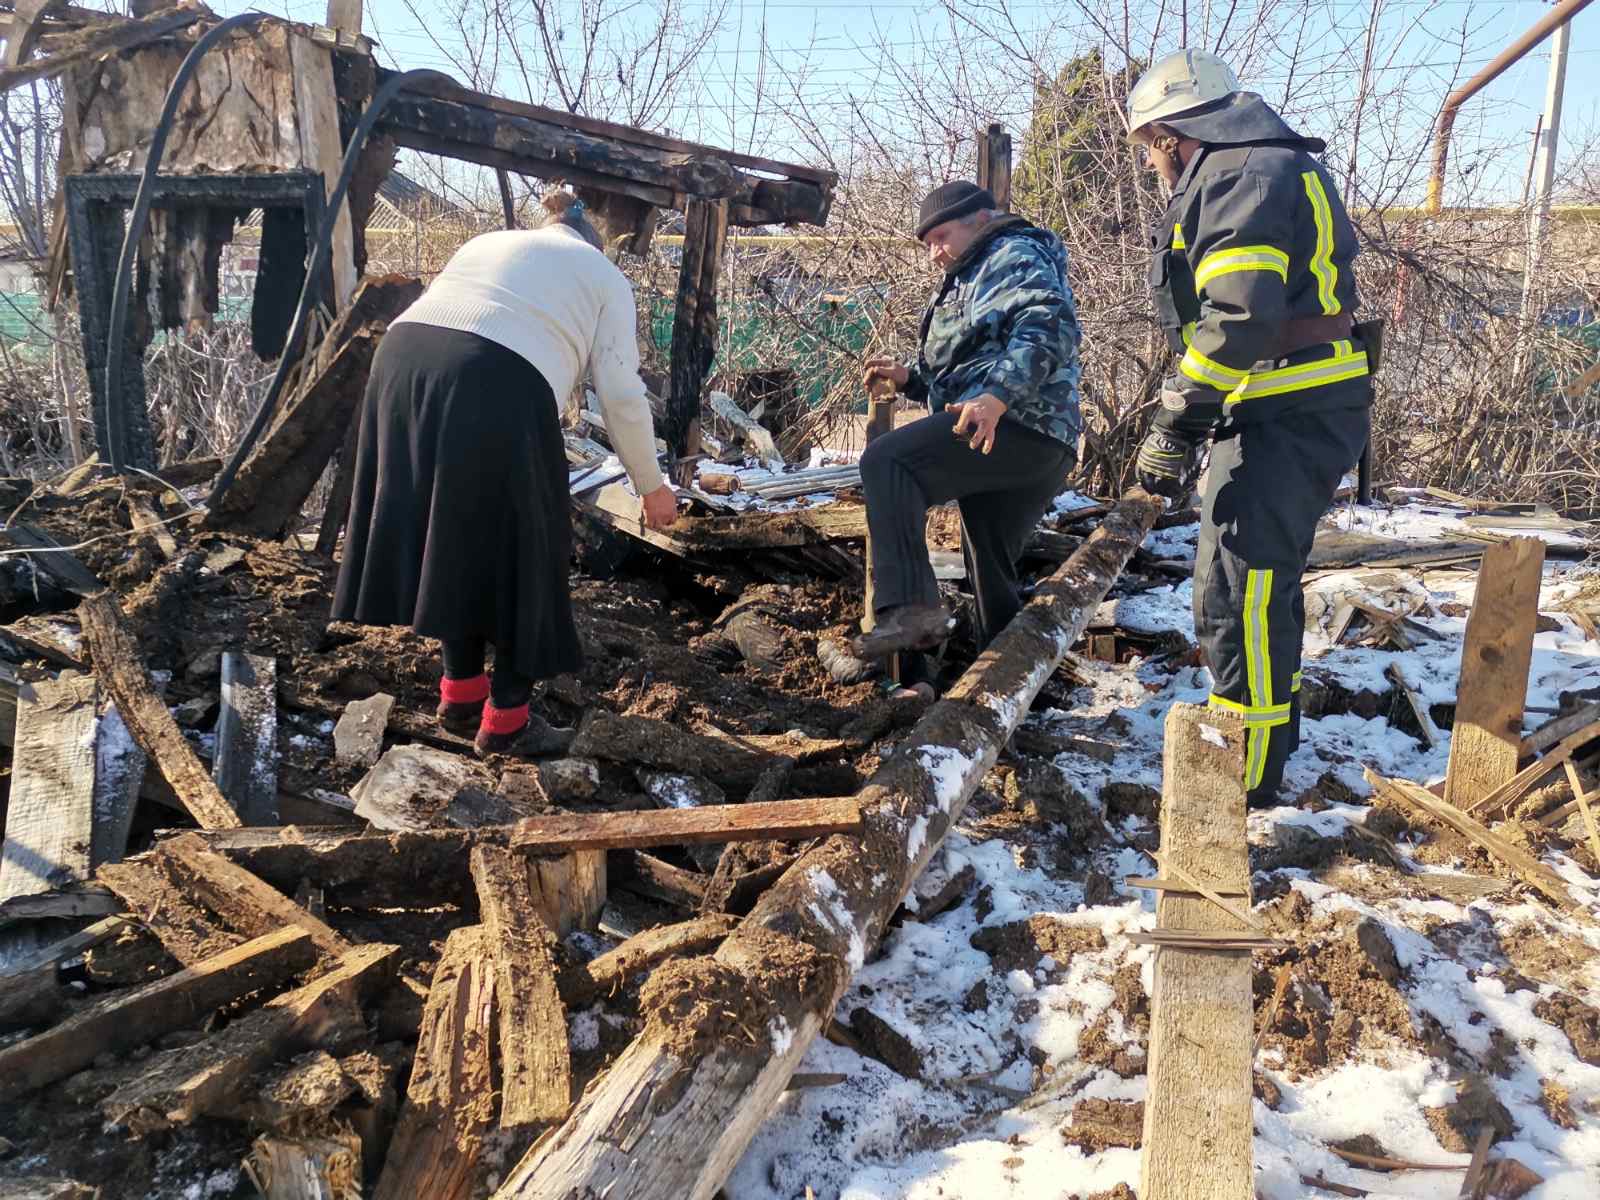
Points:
[[951, 200]]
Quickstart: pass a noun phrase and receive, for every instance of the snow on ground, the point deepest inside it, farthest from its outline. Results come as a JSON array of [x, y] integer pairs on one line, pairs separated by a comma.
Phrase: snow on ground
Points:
[[1006, 1046]]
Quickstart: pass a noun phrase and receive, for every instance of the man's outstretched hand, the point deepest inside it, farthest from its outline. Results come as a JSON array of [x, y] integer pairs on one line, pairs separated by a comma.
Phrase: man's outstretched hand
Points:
[[977, 420]]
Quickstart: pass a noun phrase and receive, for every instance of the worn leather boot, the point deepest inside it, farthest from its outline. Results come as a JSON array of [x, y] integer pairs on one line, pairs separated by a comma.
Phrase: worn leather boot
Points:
[[905, 627]]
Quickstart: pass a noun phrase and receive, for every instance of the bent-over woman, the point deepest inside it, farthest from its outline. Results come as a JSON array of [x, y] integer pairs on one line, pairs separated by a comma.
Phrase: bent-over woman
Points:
[[459, 521]]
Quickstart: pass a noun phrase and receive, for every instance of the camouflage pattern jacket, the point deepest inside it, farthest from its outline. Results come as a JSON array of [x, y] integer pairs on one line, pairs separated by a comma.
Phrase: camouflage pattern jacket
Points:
[[1004, 322]]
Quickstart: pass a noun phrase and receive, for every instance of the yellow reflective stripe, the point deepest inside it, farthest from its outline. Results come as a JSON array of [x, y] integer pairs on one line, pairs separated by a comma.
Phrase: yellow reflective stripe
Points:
[[1242, 258], [1201, 369], [1339, 366], [1294, 682], [1322, 259], [1258, 671], [1177, 237], [1266, 715], [1188, 334]]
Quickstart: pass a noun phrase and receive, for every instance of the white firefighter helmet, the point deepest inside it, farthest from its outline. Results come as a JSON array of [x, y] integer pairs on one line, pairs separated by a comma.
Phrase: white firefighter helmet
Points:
[[1177, 84]]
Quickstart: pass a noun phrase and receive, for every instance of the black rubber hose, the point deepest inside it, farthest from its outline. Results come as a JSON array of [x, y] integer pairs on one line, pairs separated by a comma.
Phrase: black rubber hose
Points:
[[321, 252], [123, 282]]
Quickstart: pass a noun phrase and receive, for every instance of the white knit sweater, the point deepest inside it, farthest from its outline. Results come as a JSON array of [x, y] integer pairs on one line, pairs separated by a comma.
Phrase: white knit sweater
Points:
[[558, 302]]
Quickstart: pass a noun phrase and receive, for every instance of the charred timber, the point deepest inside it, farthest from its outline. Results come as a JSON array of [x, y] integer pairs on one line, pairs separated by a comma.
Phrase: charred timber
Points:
[[530, 145]]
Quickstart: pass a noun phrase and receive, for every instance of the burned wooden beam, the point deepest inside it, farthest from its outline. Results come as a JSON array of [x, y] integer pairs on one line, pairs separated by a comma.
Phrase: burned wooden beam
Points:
[[272, 485], [122, 673], [694, 326], [94, 40], [136, 1017], [248, 905], [545, 143], [692, 1111]]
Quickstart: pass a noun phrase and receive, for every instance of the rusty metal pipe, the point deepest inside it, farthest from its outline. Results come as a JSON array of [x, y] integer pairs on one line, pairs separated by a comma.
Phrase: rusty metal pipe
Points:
[[1546, 25]]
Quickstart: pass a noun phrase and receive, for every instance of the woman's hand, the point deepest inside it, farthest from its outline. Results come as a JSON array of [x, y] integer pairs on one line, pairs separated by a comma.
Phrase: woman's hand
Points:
[[884, 368], [661, 507]]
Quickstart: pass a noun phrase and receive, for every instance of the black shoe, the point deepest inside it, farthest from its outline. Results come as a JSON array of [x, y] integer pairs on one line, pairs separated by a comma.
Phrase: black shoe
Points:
[[536, 739]]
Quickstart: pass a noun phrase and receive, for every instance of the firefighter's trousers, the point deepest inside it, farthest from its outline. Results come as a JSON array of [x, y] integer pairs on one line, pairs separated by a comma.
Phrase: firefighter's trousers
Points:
[[1269, 483]]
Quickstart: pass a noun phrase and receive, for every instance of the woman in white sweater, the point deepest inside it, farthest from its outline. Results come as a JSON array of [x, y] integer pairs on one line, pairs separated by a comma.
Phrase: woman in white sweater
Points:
[[460, 517]]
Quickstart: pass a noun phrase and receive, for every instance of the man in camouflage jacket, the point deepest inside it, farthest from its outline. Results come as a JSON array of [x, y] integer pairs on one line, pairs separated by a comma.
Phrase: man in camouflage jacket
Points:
[[998, 370]]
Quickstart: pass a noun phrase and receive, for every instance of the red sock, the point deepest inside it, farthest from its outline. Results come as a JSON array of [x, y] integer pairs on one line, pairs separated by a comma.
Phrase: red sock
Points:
[[473, 690], [503, 720]]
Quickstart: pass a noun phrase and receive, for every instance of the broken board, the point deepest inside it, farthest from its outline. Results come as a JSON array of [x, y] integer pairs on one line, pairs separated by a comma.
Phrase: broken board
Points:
[[1487, 737]]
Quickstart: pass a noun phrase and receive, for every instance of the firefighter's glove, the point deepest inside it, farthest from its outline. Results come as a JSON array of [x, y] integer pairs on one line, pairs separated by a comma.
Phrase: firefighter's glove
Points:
[[1166, 463]]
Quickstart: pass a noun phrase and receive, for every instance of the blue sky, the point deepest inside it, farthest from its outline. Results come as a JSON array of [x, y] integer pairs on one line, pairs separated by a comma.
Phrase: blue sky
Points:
[[753, 70]]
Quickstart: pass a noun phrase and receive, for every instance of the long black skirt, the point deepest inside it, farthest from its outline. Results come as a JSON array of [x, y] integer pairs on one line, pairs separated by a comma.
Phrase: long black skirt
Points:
[[460, 522]]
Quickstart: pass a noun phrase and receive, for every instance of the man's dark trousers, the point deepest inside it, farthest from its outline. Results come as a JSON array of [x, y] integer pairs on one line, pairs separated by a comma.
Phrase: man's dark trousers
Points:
[[1001, 494]]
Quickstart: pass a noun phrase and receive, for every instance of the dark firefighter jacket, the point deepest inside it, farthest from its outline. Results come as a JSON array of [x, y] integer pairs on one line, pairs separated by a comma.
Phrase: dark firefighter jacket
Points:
[[1252, 278]]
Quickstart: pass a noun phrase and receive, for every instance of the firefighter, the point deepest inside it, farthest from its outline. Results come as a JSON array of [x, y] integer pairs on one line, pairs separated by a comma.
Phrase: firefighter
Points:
[[1253, 286]]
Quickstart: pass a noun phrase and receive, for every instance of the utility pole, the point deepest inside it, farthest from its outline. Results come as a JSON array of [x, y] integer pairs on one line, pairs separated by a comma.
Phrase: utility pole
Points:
[[1545, 165]]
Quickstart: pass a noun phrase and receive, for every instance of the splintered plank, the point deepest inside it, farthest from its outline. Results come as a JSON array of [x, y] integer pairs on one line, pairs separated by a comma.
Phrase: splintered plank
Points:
[[181, 926], [132, 1018], [535, 1063], [1501, 798], [601, 977], [246, 766], [246, 903], [50, 817], [305, 1168], [779, 820], [205, 1078], [1201, 1025], [121, 672], [1487, 737], [449, 1106], [1524, 864]]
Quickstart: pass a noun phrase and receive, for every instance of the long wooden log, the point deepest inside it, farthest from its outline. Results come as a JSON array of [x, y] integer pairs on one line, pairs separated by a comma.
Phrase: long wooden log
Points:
[[673, 1115], [779, 820]]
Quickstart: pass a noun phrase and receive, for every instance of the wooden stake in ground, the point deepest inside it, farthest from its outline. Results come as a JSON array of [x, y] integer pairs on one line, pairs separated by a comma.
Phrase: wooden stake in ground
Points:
[[1197, 1116], [449, 1107], [535, 1063], [1494, 671], [122, 674], [673, 1115]]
